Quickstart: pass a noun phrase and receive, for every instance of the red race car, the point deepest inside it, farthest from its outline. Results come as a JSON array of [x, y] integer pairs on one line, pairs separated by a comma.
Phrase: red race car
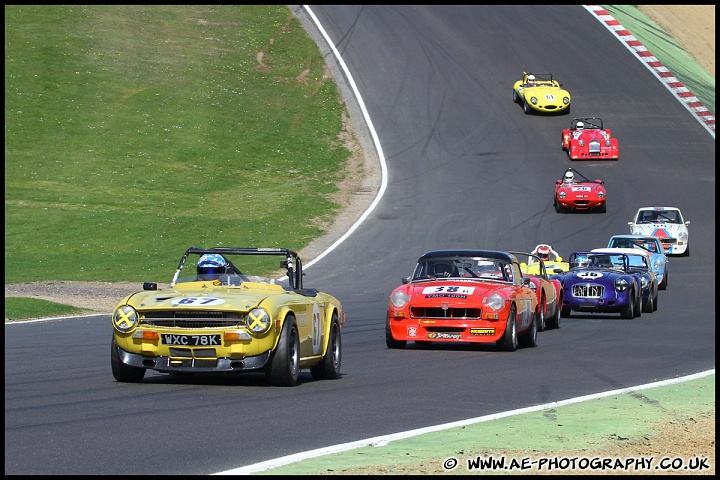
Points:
[[586, 139], [575, 192], [464, 296]]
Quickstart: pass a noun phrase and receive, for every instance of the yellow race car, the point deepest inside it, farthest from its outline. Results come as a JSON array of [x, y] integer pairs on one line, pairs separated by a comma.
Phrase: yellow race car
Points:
[[539, 92], [218, 318]]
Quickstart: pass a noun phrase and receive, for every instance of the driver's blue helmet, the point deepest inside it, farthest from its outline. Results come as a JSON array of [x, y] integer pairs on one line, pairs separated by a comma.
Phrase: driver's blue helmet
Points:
[[211, 263]]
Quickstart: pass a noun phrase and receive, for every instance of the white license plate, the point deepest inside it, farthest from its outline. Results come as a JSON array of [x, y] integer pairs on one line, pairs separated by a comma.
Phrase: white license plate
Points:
[[191, 340]]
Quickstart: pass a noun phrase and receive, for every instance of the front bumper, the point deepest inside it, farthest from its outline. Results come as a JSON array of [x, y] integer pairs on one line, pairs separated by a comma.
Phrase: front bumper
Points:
[[193, 364]]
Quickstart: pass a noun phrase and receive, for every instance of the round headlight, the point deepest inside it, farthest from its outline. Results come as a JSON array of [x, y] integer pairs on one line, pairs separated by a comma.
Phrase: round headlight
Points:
[[621, 284], [258, 320], [124, 318], [566, 100], [533, 100], [683, 236], [399, 299], [644, 282], [496, 301]]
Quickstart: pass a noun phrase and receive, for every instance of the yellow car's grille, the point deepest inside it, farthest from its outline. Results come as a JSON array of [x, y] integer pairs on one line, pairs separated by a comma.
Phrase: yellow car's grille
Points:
[[191, 318]]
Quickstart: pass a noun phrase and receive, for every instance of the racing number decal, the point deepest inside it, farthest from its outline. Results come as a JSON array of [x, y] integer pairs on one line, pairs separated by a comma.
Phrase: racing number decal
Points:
[[197, 301], [449, 289], [316, 329], [589, 275]]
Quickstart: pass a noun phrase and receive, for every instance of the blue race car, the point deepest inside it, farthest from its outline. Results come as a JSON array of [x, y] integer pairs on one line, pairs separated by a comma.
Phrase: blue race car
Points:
[[658, 259], [601, 283], [639, 262]]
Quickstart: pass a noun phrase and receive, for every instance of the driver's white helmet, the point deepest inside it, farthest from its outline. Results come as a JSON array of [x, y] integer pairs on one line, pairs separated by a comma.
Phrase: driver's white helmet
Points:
[[531, 79], [579, 126], [569, 177]]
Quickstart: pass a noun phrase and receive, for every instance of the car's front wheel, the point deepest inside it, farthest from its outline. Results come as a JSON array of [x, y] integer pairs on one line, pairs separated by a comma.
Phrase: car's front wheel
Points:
[[121, 371], [284, 366], [389, 340], [663, 285], [526, 107], [329, 366], [516, 99], [509, 340]]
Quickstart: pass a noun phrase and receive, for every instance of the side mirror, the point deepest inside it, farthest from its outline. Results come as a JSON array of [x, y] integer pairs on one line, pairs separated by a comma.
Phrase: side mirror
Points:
[[149, 286]]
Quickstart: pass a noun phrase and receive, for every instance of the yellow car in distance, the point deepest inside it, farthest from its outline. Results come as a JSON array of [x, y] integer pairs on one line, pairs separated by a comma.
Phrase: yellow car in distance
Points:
[[551, 266], [217, 318], [540, 92]]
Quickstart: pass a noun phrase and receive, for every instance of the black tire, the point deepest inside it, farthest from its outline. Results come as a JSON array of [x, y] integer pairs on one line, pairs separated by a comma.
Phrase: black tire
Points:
[[638, 305], [283, 369], [122, 372], [529, 338], [565, 312], [329, 366], [526, 107], [389, 340], [647, 306], [663, 285], [554, 321], [655, 302], [541, 316], [686, 253], [516, 99], [603, 209], [509, 340], [627, 311], [558, 208]]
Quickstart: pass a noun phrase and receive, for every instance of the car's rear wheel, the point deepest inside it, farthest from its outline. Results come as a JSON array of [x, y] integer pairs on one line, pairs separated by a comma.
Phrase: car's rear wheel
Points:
[[329, 367], [554, 321], [389, 340], [509, 340], [529, 338], [284, 366], [121, 371], [541, 316]]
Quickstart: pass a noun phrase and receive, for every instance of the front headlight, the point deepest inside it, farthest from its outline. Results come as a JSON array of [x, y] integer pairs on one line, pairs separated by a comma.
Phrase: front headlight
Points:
[[562, 194], [124, 319], [644, 282], [399, 299], [657, 264], [581, 142], [607, 143], [601, 194], [496, 301], [258, 320], [683, 236], [534, 100], [566, 100], [621, 284]]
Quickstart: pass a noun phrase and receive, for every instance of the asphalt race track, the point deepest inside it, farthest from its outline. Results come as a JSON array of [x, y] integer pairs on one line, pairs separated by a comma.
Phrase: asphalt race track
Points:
[[466, 169]]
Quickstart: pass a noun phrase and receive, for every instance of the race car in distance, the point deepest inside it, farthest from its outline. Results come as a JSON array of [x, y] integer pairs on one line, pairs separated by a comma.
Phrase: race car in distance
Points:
[[464, 296], [658, 259], [548, 291], [541, 93], [667, 224], [586, 139], [601, 283], [578, 193], [219, 319], [640, 261]]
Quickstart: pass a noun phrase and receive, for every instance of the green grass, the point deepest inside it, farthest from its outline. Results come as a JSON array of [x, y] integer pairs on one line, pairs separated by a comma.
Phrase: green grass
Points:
[[24, 308], [134, 132]]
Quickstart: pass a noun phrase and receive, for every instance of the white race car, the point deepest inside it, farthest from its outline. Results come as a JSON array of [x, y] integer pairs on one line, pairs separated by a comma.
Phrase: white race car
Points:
[[667, 224]]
